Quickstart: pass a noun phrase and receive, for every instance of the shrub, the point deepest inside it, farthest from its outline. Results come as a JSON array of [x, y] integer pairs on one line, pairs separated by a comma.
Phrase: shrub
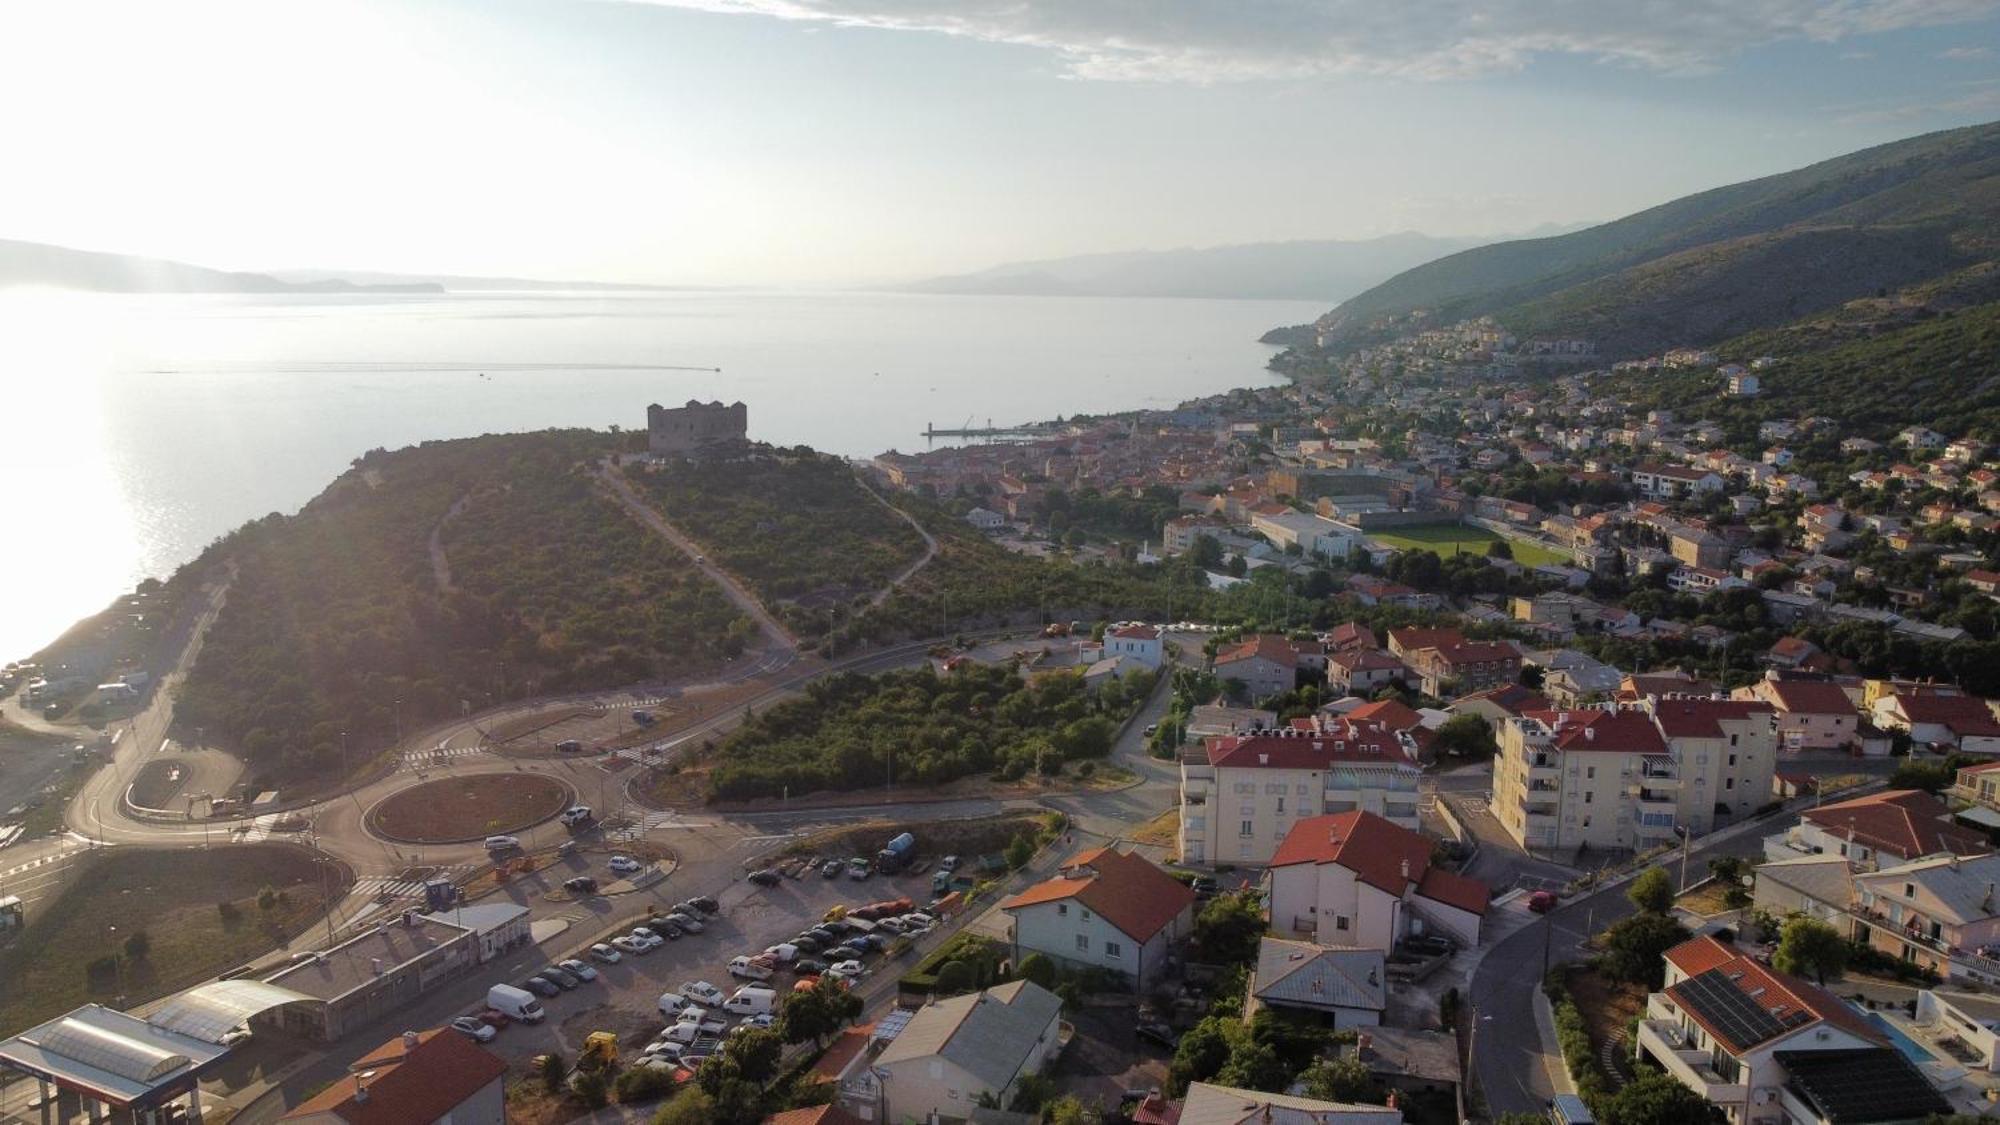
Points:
[[1574, 1039], [229, 913], [953, 979], [644, 1084]]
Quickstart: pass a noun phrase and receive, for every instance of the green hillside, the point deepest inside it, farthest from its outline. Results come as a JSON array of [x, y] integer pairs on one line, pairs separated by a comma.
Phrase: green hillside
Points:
[[1723, 262]]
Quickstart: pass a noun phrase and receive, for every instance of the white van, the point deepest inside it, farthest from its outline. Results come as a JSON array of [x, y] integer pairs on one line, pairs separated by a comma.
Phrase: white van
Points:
[[750, 968], [516, 1003], [751, 1000]]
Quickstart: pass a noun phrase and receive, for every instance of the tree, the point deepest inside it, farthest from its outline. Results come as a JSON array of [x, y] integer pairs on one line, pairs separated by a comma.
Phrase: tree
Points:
[[1345, 1079], [1019, 851], [1254, 1066], [692, 1106], [954, 978], [137, 944], [1466, 736], [1653, 891], [1808, 946], [1229, 928], [1657, 1099], [817, 1012], [1927, 776], [1206, 552], [1499, 549], [1066, 1110], [591, 1089], [1634, 948], [1203, 1052], [552, 1069], [1039, 969]]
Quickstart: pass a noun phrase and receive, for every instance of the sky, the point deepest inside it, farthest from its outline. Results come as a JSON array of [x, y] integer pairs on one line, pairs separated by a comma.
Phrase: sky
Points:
[[840, 142]]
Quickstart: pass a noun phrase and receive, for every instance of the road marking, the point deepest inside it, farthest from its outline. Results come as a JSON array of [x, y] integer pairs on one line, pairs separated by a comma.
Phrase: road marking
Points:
[[427, 759]]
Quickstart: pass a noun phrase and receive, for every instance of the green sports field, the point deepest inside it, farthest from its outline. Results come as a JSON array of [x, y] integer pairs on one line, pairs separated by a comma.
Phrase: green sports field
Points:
[[1456, 538]]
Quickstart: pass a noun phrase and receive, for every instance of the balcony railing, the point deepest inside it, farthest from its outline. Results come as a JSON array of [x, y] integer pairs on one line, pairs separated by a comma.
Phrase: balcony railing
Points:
[[1665, 1044]]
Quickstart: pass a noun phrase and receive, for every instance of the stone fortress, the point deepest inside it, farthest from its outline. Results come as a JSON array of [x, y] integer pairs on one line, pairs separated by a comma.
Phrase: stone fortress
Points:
[[696, 430]]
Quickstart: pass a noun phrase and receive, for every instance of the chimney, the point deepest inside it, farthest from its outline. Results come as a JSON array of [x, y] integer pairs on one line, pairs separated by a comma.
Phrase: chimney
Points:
[[1406, 870], [1364, 1046], [1374, 977], [375, 965], [361, 1091], [409, 1040]]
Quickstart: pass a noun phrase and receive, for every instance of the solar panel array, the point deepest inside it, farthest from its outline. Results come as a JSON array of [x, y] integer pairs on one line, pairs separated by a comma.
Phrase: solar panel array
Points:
[[892, 1025], [1871, 1084], [1732, 1014]]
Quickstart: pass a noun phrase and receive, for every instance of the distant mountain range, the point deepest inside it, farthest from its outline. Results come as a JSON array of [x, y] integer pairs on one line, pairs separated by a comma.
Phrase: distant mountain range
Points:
[[40, 264], [1323, 270], [1919, 217]]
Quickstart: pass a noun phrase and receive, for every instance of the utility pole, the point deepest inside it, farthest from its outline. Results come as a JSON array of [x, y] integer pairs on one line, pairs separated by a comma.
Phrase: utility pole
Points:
[[1687, 843]]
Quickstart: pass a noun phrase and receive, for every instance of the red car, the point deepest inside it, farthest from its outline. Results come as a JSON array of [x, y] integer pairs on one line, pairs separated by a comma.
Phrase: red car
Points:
[[1541, 902], [494, 1018]]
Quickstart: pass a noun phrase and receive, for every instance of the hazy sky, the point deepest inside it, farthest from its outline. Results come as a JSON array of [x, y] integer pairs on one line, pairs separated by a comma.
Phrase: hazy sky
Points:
[[830, 141]]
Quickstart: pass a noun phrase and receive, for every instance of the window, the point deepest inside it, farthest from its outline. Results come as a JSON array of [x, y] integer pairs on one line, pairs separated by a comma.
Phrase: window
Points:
[[1083, 943], [1062, 909], [1249, 828], [1340, 922], [1732, 742], [1729, 783], [1112, 949], [1732, 757], [1588, 796], [1281, 806], [1590, 772]]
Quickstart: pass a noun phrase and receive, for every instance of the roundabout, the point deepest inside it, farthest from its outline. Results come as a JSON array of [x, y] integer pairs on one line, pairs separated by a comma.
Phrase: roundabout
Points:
[[455, 810]]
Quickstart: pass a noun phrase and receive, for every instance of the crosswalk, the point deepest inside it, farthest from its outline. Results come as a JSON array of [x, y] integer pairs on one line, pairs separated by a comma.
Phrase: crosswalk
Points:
[[394, 886], [626, 831], [52, 857], [435, 757]]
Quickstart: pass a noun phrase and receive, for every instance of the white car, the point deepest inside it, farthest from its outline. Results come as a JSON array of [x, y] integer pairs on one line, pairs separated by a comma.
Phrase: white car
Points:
[[577, 969], [652, 940], [673, 1004], [845, 970], [625, 864], [918, 918], [473, 1029], [703, 993], [606, 954], [632, 945], [755, 1023]]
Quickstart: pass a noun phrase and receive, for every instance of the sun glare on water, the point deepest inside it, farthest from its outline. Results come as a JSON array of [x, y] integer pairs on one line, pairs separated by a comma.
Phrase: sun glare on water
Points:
[[69, 529]]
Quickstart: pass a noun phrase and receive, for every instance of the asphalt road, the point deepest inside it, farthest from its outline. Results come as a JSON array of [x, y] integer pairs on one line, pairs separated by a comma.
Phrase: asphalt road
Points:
[[1508, 1061]]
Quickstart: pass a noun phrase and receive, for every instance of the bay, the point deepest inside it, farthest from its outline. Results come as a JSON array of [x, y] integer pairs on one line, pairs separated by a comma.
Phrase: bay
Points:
[[134, 430]]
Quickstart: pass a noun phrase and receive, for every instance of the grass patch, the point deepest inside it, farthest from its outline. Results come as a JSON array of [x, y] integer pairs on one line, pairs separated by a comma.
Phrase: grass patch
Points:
[[465, 808], [1163, 830], [1705, 900], [965, 838], [1448, 539], [78, 950], [515, 729]]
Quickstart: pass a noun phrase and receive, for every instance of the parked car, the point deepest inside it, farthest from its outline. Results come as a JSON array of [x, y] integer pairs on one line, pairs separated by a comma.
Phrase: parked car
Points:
[[703, 993], [752, 968], [858, 869], [809, 942], [633, 945], [606, 954], [542, 987], [563, 980], [893, 925], [705, 904], [766, 878], [473, 1029], [808, 966], [686, 922], [575, 815], [755, 1023], [845, 970], [577, 969], [1541, 902], [502, 844], [625, 864], [662, 931], [1204, 886], [580, 885], [857, 947], [570, 746], [948, 863], [918, 918], [1158, 1033], [831, 869]]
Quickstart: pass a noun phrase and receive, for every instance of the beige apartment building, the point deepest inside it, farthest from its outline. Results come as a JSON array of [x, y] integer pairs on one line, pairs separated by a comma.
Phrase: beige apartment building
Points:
[[1241, 798], [1624, 779]]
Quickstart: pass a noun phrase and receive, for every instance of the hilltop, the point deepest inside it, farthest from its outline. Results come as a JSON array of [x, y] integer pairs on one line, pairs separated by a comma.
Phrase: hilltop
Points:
[[60, 267], [1721, 263]]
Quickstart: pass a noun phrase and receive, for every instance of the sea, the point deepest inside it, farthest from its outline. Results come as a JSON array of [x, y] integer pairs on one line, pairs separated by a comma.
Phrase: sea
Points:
[[135, 430]]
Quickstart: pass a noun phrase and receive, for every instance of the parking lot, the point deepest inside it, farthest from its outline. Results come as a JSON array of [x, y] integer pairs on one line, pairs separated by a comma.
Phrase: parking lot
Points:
[[625, 997]]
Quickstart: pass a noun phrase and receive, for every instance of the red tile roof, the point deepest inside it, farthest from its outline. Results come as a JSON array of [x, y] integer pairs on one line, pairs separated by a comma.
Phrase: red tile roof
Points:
[[408, 1085], [828, 1114], [1382, 854], [1137, 632], [1784, 996], [1411, 638], [1511, 698], [1122, 887], [1812, 697], [1338, 742], [1611, 732], [1476, 652], [1389, 712], [1905, 823], [1703, 718], [843, 1050], [1365, 660], [1964, 714], [1271, 647], [1698, 955], [1353, 634]]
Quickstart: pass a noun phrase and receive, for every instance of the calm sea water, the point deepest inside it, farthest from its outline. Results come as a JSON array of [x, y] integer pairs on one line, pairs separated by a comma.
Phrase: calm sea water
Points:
[[135, 430]]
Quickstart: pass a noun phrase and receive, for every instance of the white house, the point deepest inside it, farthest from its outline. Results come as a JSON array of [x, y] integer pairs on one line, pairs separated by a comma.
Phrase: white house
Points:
[[952, 1052], [1238, 803], [1105, 909], [1139, 641], [1356, 879], [1763, 1046], [985, 520], [1960, 721]]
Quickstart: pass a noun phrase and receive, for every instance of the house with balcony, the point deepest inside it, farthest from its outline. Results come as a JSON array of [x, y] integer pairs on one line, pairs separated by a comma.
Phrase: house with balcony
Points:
[[1238, 805], [1811, 714], [1963, 722], [1136, 641], [1941, 913], [1265, 665], [1460, 669], [1104, 909], [1362, 671], [1767, 1048], [1878, 830], [1355, 879], [1979, 785]]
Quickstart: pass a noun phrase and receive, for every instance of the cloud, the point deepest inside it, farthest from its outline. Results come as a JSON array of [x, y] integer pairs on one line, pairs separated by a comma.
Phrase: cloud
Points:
[[1966, 54], [1241, 40]]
